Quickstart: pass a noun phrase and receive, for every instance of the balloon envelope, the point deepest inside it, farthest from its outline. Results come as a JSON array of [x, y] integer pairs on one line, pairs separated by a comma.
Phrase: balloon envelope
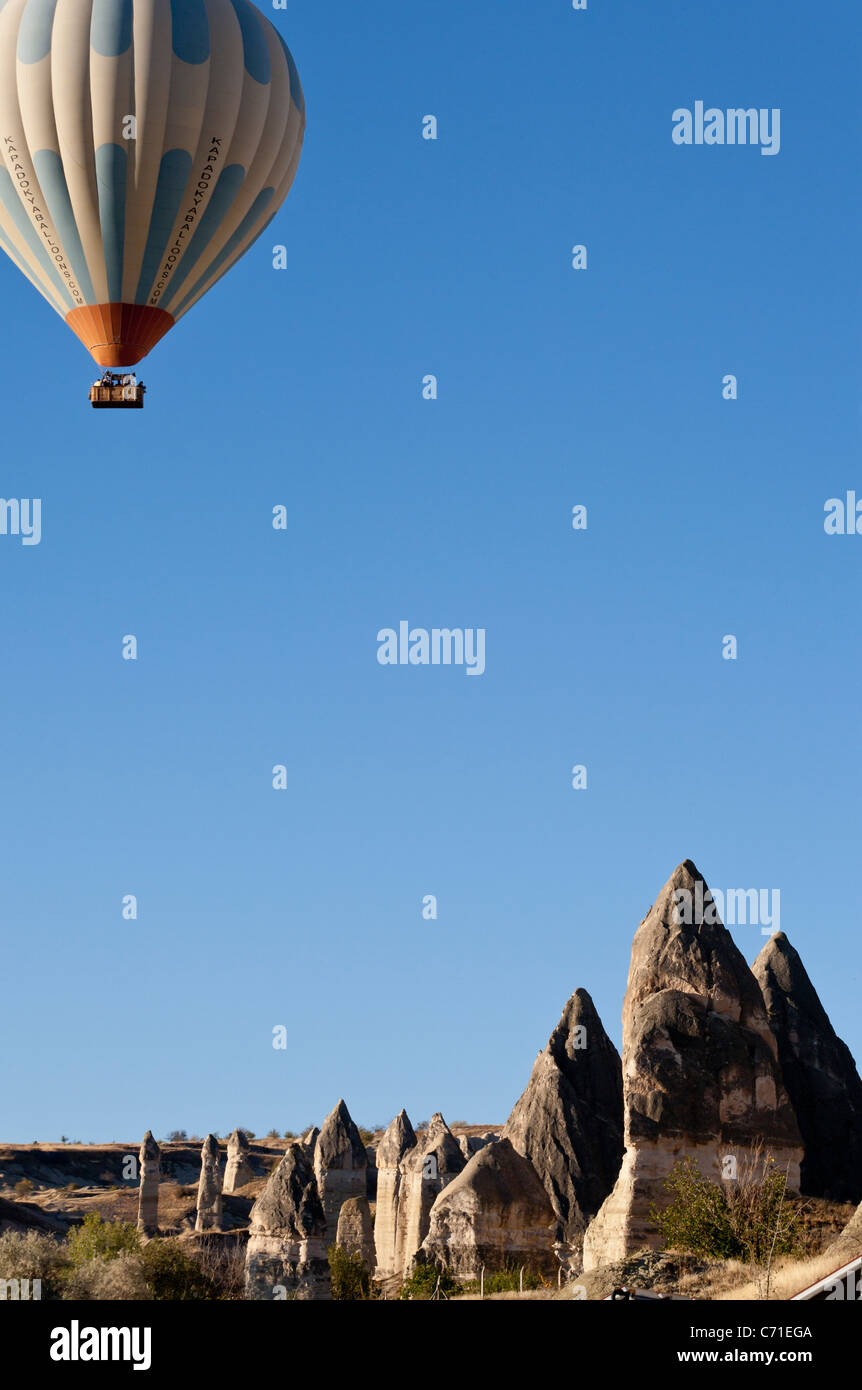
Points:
[[144, 146]]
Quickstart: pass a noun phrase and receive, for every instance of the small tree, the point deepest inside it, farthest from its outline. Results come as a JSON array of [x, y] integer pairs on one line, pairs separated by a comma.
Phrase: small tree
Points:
[[96, 1239], [752, 1218], [424, 1281], [350, 1278], [173, 1274], [697, 1220]]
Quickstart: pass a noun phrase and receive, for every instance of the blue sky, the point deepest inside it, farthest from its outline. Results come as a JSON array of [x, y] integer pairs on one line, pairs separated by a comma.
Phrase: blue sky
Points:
[[302, 387]]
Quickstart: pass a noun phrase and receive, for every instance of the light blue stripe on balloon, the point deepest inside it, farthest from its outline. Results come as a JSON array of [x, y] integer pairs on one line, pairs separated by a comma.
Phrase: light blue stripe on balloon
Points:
[[174, 173], [191, 30], [34, 35], [219, 206], [111, 27], [229, 249], [111, 165], [12, 251], [254, 44], [49, 171], [295, 84], [15, 208]]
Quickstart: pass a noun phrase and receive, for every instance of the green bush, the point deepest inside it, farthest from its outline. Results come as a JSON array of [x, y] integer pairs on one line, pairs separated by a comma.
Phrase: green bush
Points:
[[506, 1280], [350, 1278], [173, 1274], [755, 1219], [96, 1239], [423, 1282]]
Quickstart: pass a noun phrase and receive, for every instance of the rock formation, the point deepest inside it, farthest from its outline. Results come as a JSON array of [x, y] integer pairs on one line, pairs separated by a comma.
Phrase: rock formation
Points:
[[356, 1230], [470, 1144], [848, 1246], [310, 1141], [819, 1073], [239, 1170], [339, 1165], [396, 1142], [148, 1193], [425, 1170], [701, 1076], [286, 1253], [209, 1187], [569, 1121], [495, 1212]]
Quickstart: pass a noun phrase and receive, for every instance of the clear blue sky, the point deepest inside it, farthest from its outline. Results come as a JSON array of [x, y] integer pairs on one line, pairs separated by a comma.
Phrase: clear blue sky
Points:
[[303, 387]]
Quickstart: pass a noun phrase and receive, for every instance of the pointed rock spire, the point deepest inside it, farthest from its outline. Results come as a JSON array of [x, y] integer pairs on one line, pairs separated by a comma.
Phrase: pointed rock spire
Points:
[[340, 1161], [426, 1170], [239, 1170], [819, 1073], [701, 1076], [209, 1187], [398, 1140], [286, 1253], [569, 1121], [149, 1161]]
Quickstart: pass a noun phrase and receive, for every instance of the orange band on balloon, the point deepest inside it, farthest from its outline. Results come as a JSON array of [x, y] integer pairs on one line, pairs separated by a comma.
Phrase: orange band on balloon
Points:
[[118, 335]]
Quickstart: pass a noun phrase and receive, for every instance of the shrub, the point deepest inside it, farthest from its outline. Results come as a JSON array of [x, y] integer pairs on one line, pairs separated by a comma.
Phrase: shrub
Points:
[[96, 1239], [754, 1219], [24, 1187], [223, 1264], [422, 1283], [121, 1278], [176, 1136], [173, 1274], [506, 1280], [32, 1255], [350, 1278]]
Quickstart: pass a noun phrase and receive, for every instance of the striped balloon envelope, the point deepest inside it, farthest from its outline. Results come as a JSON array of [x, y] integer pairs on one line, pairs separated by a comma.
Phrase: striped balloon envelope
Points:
[[146, 144]]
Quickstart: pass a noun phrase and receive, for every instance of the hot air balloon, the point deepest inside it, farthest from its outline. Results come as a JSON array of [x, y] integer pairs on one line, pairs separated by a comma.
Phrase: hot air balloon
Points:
[[146, 144]]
